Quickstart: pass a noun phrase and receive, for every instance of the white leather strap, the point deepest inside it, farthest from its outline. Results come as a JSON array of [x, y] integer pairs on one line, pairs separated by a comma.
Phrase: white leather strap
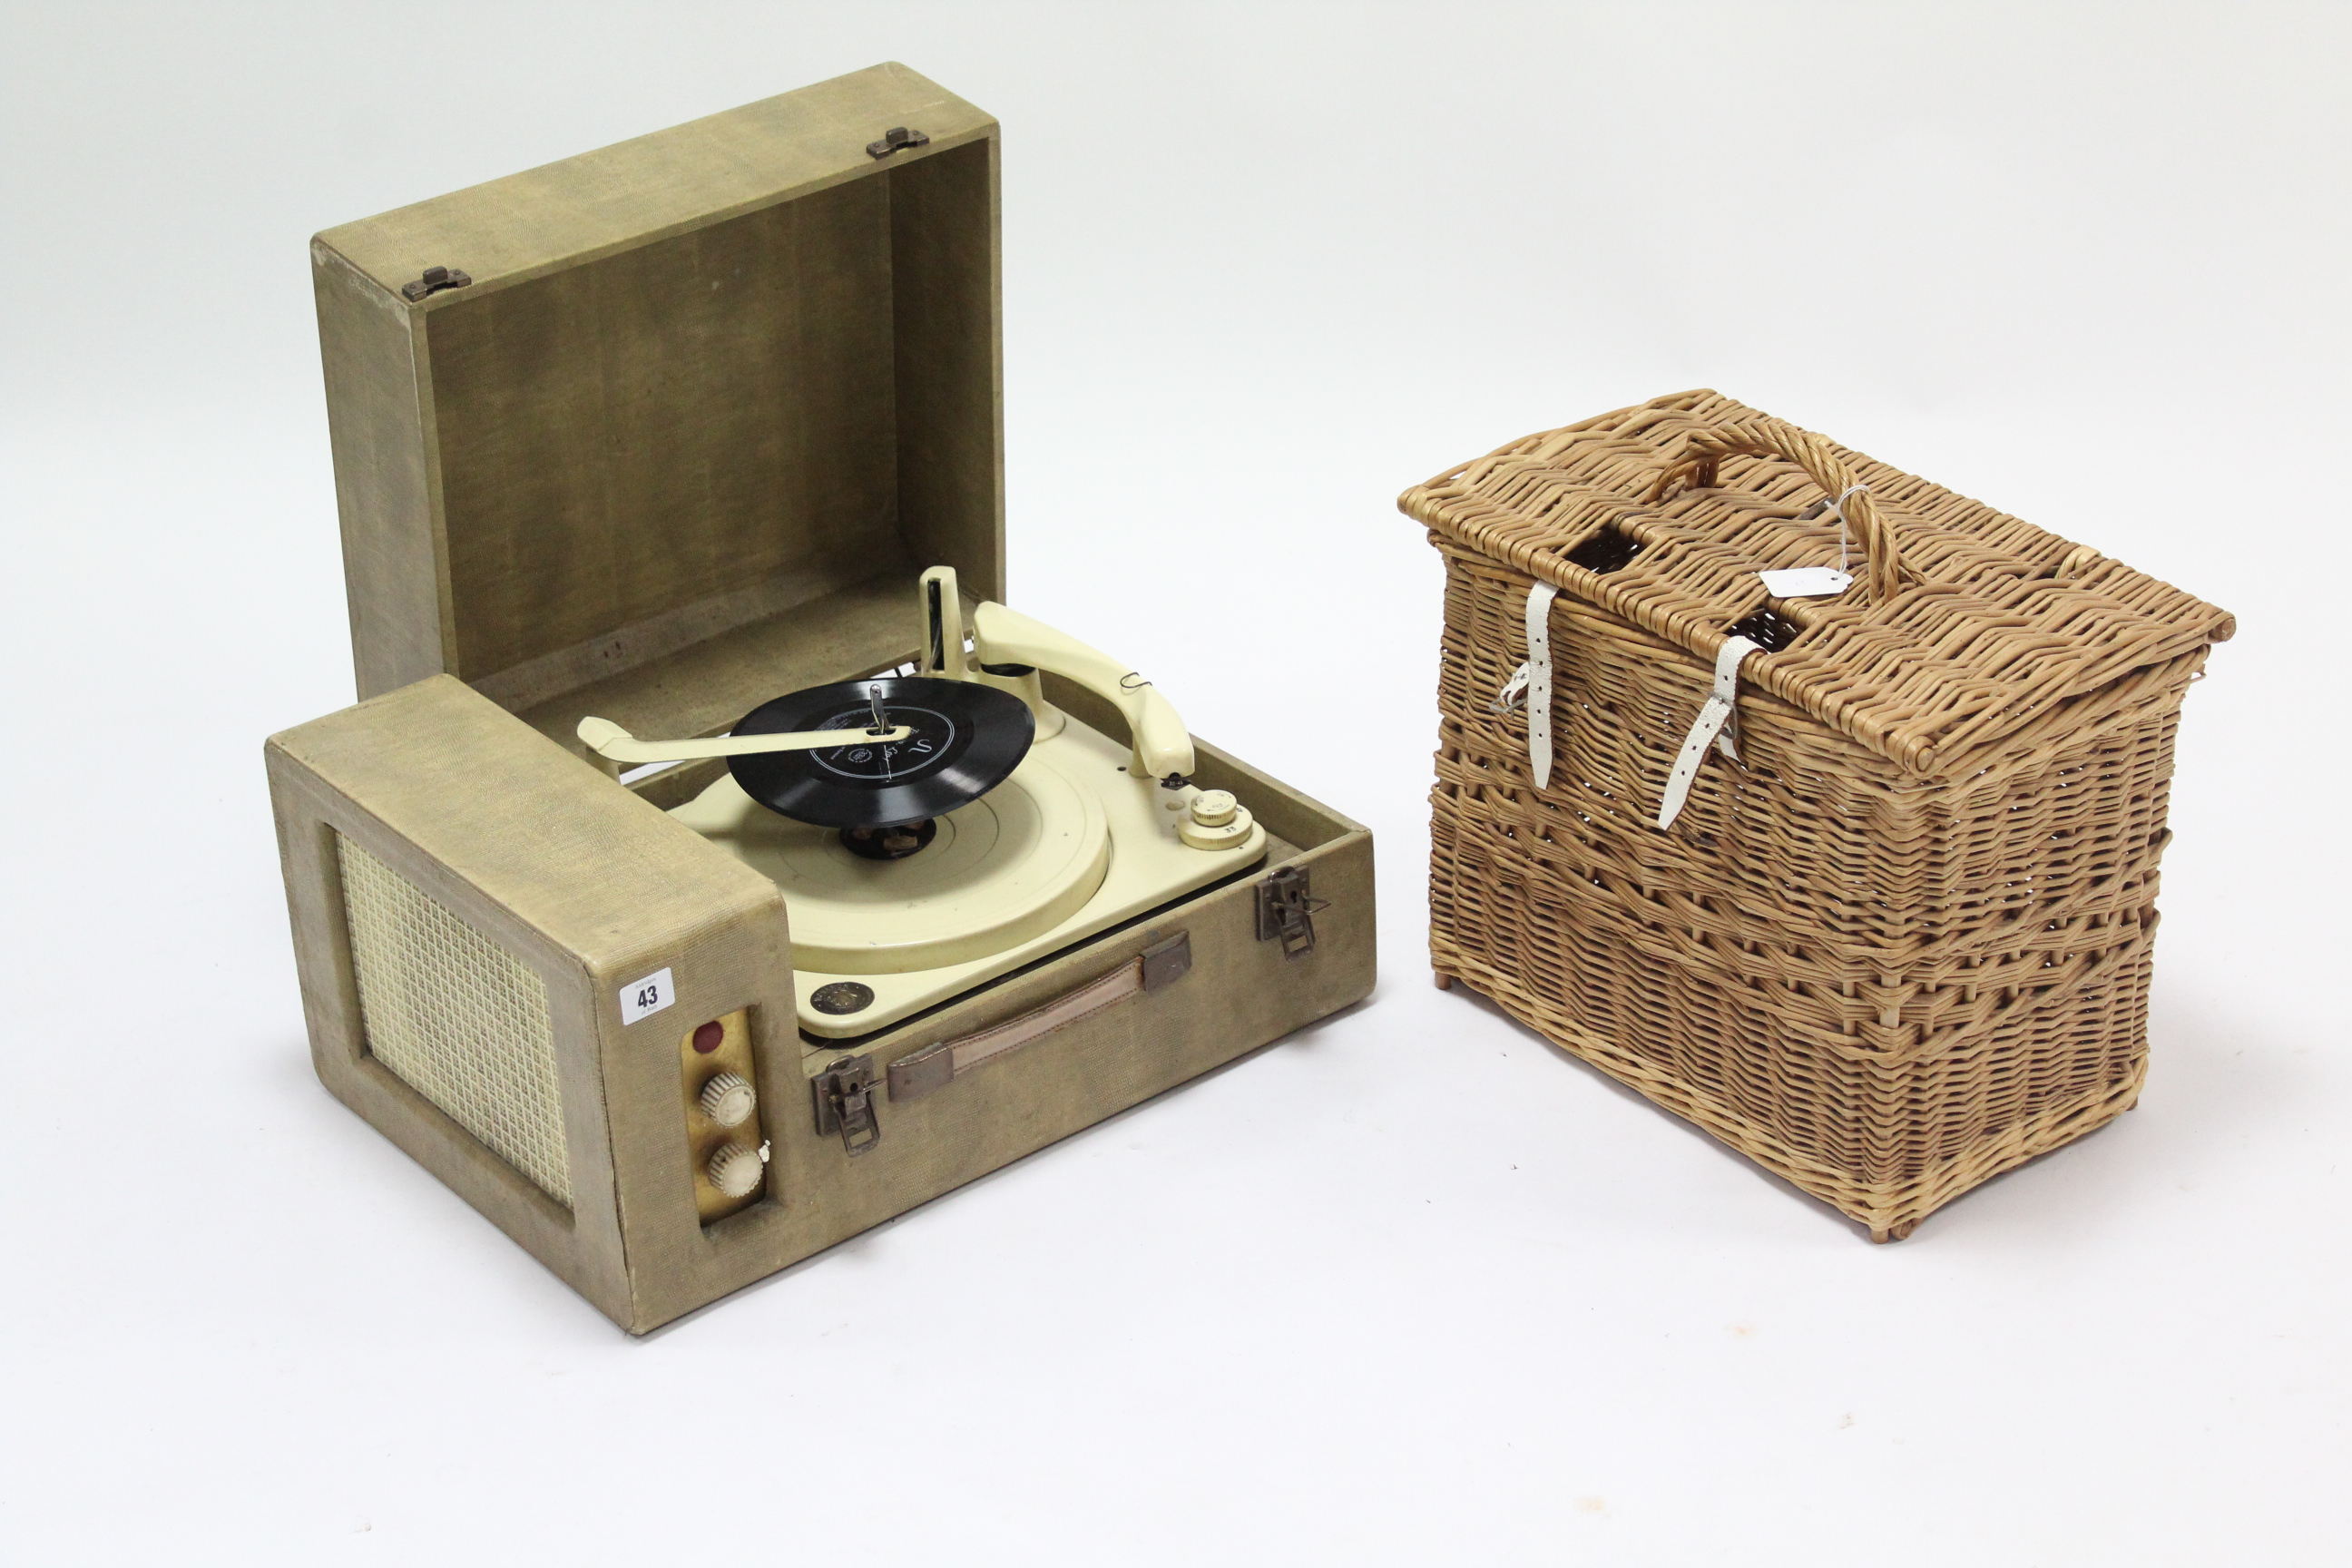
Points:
[[1539, 598], [1721, 704]]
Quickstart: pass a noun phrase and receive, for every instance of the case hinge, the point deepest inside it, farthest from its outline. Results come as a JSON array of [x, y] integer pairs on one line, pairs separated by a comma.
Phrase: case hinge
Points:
[[436, 279], [844, 1103], [1286, 910], [894, 140]]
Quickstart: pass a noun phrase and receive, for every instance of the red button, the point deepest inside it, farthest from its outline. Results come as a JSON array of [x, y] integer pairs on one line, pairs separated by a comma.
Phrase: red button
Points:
[[706, 1038]]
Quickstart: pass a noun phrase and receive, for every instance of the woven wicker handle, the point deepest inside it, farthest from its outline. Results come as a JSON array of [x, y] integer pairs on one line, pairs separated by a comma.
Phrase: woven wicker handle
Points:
[[1810, 453]]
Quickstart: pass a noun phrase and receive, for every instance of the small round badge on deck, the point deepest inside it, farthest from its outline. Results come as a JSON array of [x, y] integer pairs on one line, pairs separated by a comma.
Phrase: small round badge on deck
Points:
[[841, 996]]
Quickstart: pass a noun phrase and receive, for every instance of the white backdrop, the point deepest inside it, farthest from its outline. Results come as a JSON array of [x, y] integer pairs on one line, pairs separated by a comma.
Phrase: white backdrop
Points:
[[1411, 1288]]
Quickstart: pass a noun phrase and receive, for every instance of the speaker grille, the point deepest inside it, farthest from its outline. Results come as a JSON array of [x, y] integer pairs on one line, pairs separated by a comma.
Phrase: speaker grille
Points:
[[456, 1018]]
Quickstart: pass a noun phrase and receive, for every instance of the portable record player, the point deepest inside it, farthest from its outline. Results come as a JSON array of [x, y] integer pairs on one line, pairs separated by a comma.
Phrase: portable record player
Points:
[[714, 866]]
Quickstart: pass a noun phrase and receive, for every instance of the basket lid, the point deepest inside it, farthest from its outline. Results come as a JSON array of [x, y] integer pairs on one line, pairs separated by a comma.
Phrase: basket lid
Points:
[[715, 393], [1966, 633]]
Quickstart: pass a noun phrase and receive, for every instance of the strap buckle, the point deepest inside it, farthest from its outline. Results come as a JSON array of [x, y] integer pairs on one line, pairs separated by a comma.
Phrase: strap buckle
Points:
[[1513, 692], [1721, 708]]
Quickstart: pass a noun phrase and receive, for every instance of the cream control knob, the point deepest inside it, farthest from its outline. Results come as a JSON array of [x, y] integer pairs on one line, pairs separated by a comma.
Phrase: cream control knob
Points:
[[1215, 807], [1216, 821], [727, 1099], [735, 1170]]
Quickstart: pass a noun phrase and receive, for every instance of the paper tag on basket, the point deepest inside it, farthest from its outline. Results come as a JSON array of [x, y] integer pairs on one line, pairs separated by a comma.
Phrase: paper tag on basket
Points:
[[1807, 583]]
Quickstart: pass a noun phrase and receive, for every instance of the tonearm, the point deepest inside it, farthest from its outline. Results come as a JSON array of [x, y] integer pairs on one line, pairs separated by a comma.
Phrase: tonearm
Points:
[[1008, 649], [609, 740], [1011, 647]]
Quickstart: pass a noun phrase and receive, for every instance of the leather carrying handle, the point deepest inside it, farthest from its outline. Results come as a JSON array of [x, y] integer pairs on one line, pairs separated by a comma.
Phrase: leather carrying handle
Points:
[[1771, 438], [938, 1065]]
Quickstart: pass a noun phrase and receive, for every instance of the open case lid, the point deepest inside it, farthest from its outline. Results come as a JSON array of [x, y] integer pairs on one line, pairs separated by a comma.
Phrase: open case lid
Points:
[[701, 407]]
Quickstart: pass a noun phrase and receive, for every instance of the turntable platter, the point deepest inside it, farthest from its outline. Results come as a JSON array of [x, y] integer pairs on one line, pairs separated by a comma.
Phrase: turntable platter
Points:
[[1005, 867]]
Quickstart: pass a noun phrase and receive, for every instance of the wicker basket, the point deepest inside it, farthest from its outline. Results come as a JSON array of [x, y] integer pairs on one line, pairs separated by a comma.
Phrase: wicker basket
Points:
[[1901, 943]]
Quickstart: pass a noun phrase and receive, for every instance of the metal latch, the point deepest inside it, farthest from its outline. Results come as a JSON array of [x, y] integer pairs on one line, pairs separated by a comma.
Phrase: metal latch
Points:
[[894, 140], [844, 1103], [1285, 910], [436, 279]]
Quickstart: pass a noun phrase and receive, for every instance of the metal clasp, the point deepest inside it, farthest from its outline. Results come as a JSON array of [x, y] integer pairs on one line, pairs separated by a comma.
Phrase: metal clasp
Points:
[[896, 139], [1286, 910], [436, 279], [844, 1103]]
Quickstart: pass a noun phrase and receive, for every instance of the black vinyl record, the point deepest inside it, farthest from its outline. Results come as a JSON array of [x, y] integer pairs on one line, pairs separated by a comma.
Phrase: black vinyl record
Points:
[[967, 739]]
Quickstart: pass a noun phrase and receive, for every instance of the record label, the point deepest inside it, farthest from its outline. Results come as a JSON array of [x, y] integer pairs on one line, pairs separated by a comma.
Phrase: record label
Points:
[[884, 761], [965, 740]]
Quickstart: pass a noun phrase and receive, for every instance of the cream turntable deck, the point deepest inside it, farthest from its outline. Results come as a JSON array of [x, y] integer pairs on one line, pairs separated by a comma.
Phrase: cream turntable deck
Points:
[[938, 826]]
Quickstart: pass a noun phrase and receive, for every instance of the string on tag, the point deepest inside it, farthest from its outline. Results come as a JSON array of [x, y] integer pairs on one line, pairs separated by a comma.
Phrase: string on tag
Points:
[[1818, 582], [1837, 509]]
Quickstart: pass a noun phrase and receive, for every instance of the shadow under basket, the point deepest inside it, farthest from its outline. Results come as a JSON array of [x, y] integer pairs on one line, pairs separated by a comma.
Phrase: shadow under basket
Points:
[[1897, 938]]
